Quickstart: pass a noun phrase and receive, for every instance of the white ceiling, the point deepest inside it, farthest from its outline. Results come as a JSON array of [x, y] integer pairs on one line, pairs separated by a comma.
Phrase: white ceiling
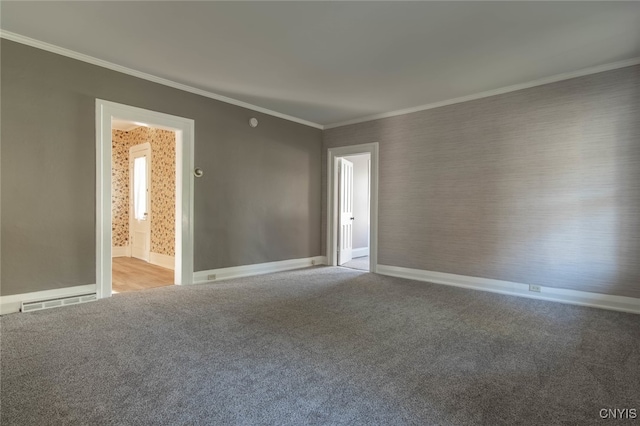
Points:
[[329, 62]]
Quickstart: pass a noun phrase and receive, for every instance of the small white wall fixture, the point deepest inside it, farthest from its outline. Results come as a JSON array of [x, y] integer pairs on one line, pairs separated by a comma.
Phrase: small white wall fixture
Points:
[[184, 129], [332, 200]]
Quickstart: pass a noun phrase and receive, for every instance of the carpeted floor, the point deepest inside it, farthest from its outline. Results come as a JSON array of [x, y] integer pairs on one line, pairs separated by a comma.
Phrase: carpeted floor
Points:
[[317, 346], [361, 263]]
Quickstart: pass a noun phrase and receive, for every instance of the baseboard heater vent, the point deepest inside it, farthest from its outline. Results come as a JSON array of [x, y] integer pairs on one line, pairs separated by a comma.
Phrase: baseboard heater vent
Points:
[[55, 303]]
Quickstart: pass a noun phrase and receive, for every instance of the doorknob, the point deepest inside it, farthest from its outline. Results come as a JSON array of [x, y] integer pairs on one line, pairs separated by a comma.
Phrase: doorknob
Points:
[[353, 218], [198, 172]]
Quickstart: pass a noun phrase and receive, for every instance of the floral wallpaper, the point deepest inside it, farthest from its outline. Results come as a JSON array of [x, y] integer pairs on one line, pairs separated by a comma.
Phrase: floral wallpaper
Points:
[[163, 184], [120, 188]]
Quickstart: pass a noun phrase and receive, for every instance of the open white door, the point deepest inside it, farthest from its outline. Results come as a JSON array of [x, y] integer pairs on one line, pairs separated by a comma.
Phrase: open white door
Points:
[[345, 236], [140, 201]]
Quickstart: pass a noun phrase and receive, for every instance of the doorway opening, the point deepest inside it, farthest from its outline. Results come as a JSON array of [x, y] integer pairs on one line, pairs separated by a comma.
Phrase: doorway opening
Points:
[[353, 208], [352, 214], [142, 250], [143, 206]]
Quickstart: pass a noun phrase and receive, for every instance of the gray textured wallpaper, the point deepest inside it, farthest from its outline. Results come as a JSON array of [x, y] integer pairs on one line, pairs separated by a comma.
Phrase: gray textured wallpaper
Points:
[[539, 186], [259, 199]]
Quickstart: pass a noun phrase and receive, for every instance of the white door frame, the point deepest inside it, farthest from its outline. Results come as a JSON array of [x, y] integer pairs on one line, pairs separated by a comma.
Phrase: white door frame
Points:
[[332, 200], [185, 133]]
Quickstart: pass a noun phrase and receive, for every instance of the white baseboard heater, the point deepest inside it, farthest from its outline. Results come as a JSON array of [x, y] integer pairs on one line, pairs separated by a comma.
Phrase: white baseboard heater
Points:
[[57, 302]]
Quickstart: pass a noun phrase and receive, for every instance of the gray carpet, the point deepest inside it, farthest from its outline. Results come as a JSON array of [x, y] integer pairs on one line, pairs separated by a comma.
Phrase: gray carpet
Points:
[[361, 263], [317, 346]]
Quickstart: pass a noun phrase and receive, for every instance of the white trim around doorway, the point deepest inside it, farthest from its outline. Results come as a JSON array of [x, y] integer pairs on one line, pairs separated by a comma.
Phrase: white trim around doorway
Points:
[[185, 133], [332, 200]]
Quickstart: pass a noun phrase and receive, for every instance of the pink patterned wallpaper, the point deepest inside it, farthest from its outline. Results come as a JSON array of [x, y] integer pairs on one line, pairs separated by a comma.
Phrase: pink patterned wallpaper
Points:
[[163, 160]]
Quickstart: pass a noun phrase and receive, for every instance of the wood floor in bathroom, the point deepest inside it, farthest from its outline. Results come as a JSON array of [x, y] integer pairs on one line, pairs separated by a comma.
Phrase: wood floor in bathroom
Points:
[[131, 274]]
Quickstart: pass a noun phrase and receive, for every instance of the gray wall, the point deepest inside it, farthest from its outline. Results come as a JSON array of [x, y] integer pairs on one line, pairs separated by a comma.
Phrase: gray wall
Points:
[[258, 201], [360, 200], [538, 186]]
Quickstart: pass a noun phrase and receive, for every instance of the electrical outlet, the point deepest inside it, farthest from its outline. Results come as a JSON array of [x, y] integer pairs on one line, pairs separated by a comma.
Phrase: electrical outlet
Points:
[[535, 288], [212, 277]]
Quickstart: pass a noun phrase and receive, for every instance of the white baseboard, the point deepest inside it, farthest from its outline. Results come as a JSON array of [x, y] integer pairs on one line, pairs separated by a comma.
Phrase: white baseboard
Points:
[[360, 252], [257, 269], [121, 251], [163, 260], [573, 297], [11, 304]]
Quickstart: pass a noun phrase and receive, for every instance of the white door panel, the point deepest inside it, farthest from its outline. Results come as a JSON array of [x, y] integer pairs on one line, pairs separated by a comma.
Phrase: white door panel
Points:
[[140, 200], [345, 198]]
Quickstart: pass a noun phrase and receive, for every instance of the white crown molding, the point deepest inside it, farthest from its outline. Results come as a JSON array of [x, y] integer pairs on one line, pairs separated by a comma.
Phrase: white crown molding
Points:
[[500, 91], [201, 277], [119, 68], [552, 294]]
